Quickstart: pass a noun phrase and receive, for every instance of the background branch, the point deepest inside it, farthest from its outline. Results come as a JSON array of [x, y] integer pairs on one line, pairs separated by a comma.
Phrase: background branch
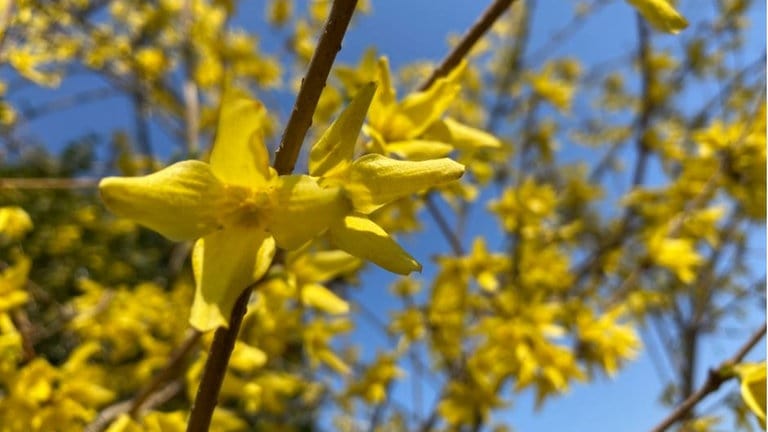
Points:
[[714, 380]]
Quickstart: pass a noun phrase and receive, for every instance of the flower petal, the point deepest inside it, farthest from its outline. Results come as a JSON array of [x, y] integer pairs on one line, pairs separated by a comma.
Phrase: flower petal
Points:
[[752, 376], [376, 180], [332, 153], [239, 156], [362, 237], [322, 266], [660, 14], [225, 263], [303, 209], [321, 298], [461, 136], [384, 100], [418, 150], [419, 110], [157, 201]]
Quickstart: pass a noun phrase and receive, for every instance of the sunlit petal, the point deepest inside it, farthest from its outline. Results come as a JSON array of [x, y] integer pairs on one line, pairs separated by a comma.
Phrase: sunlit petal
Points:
[[303, 209], [661, 15], [361, 237], [323, 265], [418, 150], [333, 152], [225, 263], [158, 201], [376, 180], [461, 136], [384, 100], [321, 298], [419, 110], [239, 156]]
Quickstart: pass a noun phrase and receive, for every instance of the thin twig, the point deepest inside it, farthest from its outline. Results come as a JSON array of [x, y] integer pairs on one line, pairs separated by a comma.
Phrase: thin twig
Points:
[[714, 380], [442, 224], [171, 370], [285, 160], [189, 88], [49, 183], [79, 99], [141, 117], [216, 367], [148, 396], [478, 29], [312, 85], [107, 415]]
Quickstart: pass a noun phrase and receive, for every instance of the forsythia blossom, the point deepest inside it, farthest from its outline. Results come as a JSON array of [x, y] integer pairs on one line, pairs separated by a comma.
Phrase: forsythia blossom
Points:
[[241, 210]]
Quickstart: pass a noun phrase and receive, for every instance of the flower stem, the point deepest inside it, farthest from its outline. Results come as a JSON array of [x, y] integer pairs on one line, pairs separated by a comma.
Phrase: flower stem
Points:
[[313, 83], [470, 38], [715, 379], [216, 367], [301, 118]]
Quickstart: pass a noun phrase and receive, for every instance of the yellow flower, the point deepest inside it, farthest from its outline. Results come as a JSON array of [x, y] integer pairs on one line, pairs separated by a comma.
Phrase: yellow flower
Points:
[[752, 376], [236, 205], [14, 222], [241, 210], [660, 14], [676, 254], [414, 128]]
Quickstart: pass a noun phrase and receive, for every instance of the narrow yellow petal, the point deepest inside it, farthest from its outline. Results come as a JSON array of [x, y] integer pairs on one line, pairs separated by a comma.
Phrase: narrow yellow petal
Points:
[[246, 358], [423, 108], [332, 153], [376, 180], [386, 94], [182, 202], [384, 100], [361, 237], [461, 136], [753, 390], [225, 263], [239, 156], [303, 209], [321, 298], [418, 150], [322, 266], [661, 15]]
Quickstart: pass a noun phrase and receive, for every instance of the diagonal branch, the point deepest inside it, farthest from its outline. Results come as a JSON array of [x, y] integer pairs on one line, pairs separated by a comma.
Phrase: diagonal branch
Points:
[[477, 31], [714, 380], [312, 85]]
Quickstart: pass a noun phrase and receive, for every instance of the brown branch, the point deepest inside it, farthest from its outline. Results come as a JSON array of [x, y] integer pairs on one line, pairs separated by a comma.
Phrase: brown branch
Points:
[[714, 380], [27, 331], [216, 367], [442, 225], [48, 183], [152, 394], [478, 29], [88, 96], [285, 160], [107, 415], [312, 85], [189, 88], [171, 371]]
